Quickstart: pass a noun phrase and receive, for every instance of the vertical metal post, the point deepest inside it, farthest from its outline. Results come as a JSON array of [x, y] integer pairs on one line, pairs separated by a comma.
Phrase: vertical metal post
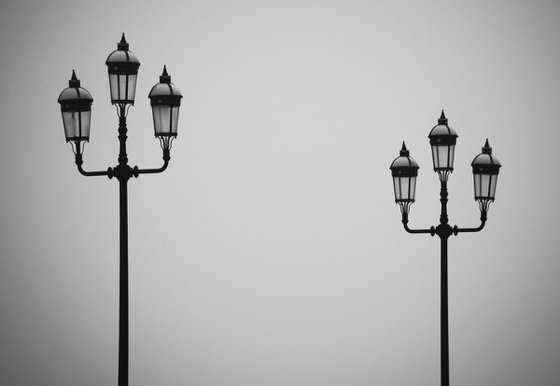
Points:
[[123, 175], [444, 231], [123, 286], [444, 315]]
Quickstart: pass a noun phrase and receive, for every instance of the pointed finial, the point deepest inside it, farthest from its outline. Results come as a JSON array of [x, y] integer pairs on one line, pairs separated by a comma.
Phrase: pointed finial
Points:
[[487, 149], [164, 77], [122, 45], [74, 81], [404, 151], [442, 119]]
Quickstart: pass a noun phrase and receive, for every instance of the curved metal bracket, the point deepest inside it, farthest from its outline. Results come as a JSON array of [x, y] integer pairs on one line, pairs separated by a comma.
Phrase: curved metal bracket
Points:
[[166, 157], [483, 218], [431, 231], [79, 162]]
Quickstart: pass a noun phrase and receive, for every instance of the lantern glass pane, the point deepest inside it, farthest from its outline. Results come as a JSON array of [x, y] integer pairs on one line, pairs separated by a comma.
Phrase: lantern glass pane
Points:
[[162, 119], [165, 120], [476, 179], [397, 187], [76, 124], [493, 185], [405, 188], [443, 157], [131, 87], [123, 87], [113, 85], [482, 187], [175, 119], [412, 188]]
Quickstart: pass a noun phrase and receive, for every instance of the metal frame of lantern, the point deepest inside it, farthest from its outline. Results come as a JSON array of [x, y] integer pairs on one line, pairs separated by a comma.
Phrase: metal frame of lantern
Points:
[[485, 168], [75, 103]]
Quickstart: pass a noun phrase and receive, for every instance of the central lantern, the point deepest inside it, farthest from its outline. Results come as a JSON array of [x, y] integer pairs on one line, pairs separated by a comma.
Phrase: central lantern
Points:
[[122, 66], [442, 140]]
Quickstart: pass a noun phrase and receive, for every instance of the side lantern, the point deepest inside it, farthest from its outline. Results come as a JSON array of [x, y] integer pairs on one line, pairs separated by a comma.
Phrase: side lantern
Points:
[[75, 104]]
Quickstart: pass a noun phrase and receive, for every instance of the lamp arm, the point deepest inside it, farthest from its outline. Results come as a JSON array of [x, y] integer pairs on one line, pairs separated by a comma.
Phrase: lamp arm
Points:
[[80, 161], [166, 157], [431, 231], [483, 218]]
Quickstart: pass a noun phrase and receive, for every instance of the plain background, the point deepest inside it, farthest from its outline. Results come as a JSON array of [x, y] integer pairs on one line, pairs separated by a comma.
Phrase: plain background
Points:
[[271, 251]]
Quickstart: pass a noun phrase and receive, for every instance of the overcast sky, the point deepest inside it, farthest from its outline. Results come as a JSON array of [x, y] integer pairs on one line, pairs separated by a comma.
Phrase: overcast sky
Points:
[[271, 252]]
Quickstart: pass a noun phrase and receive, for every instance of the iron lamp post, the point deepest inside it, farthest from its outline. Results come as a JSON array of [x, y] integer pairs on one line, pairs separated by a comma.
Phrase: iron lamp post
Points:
[[75, 103], [404, 170]]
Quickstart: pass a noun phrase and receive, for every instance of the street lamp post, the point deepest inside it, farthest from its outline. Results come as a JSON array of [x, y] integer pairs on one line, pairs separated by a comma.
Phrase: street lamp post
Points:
[[75, 103], [404, 170]]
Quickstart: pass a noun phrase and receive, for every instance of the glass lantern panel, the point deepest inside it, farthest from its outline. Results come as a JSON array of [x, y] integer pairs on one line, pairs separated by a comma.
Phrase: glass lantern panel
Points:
[[131, 87], [443, 156], [476, 180], [114, 85], [123, 87], [405, 187], [162, 119], [175, 119], [493, 185], [76, 124], [481, 186], [397, 188], [412, 193]]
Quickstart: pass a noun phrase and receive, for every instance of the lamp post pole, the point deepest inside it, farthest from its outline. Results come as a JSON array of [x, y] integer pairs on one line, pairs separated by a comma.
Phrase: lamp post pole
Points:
[[75, 103], [405, 170], [123, 178]]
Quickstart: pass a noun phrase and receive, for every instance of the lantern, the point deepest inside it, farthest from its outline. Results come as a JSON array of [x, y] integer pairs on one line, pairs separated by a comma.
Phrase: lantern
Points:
[[122, 66], [486, 168], [442, 140], [404, 170], [165, 99], [75, 104]]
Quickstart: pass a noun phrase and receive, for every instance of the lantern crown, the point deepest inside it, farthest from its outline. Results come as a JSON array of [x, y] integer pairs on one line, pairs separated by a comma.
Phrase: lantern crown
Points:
[[404, 164], [442, 133], [165, 92], [74, 94], [122, 60], [486, 162]]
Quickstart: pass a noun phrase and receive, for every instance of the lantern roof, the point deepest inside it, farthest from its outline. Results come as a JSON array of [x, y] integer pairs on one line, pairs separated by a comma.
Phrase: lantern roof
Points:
[[165, 87], [122, 55], [165, 93], [442, 128], [486, 160], [74, 91], [404, 162]]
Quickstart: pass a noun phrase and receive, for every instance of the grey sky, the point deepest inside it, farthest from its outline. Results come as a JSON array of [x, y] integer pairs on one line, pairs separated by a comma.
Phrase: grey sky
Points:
[[271, 251]]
